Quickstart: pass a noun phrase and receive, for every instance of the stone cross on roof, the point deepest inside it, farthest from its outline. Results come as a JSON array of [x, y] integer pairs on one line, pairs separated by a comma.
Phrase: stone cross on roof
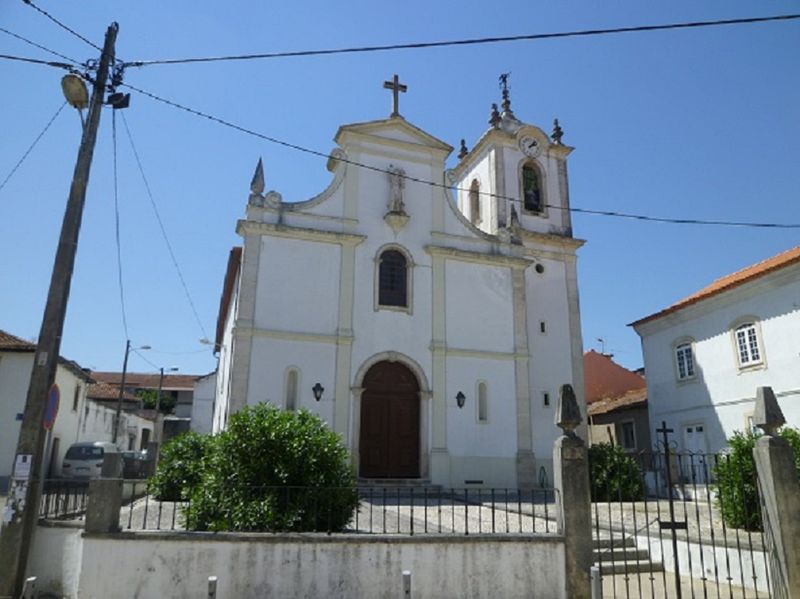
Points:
[[396, 88]]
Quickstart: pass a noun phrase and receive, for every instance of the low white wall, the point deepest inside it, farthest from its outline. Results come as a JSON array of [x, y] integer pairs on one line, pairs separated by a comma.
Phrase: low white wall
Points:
[[177, 565], [55, 558]]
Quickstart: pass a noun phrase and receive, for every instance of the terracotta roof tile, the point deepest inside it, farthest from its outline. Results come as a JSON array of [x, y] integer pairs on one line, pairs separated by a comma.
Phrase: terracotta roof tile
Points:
[[9, 342], [105, 392], [731, 281], [602, 377], [633, 398], [172, 382]]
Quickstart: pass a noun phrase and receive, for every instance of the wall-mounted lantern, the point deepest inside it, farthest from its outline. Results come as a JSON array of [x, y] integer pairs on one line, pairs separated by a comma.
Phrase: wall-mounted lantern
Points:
[[460, 399], [318, 391]]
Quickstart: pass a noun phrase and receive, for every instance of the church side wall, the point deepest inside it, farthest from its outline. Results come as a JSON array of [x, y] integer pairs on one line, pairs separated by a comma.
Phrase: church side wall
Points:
[[224, 366], [550, 365]]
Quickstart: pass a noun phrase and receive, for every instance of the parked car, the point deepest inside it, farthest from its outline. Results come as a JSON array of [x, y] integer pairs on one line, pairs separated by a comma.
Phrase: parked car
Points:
[[135, 464], [85, 460]]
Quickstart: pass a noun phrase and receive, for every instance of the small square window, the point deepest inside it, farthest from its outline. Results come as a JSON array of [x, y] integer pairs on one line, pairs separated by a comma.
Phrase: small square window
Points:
[[628, 435]]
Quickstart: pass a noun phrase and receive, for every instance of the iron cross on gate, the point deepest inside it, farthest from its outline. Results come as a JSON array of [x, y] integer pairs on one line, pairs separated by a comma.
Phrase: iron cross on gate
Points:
[[396, 88], [672, 524]]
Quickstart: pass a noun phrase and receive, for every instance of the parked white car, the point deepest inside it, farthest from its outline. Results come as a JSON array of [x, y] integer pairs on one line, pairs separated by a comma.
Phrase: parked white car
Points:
[[85, 460]]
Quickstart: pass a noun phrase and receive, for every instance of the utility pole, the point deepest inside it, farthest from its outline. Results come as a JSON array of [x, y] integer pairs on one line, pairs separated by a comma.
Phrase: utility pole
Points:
[[22, 510], [118, 415]]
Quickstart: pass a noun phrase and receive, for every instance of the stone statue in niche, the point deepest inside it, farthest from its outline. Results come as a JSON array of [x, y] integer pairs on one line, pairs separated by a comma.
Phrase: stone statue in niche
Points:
[[396, 217], [396, 185]]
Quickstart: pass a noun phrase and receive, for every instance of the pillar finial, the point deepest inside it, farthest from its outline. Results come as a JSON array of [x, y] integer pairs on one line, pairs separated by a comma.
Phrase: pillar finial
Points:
[[494, 117], [506, 94], [768, 415], [568, 415], [557, 133], [463, 151], [257, 183]]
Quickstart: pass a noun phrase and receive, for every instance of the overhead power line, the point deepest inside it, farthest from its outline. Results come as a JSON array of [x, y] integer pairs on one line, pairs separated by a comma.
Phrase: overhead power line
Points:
[[163, 229], [116, 226], [39, 46], [33, 145], [609, 213], [48, 63], [466, 42], [62, 25]]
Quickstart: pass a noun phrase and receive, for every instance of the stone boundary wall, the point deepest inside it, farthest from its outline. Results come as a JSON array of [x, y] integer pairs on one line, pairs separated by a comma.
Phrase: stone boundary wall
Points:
[[177, 565]]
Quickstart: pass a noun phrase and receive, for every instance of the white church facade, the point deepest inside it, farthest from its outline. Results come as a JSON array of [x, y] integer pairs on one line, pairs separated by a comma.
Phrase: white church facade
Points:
[[428, 315]]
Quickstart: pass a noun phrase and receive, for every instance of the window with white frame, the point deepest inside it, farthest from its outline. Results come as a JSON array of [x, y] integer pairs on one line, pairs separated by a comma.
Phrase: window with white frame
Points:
[[747, 344], [684, 360]]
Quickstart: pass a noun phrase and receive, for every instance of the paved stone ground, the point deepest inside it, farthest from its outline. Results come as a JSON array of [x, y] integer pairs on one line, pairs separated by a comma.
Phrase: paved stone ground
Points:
[[662, 585], [703, 519], [393, 515]]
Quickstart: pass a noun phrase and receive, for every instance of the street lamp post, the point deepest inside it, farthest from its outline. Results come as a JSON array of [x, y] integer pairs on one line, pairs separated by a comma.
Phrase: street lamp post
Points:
[[122, 385], [22, 506], [161, 384]]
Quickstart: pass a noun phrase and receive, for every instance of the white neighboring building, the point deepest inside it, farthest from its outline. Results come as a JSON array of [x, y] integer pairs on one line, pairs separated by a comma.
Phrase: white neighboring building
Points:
[[203, 403], [397, 299], [16, 363], [706, 355]]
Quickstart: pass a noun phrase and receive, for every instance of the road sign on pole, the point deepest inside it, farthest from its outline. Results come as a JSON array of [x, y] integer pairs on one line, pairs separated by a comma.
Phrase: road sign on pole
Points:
[[51, 409]]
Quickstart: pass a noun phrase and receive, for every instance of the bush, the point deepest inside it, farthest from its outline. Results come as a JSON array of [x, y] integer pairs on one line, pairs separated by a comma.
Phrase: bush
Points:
[[274, 470], [180, 466], [614, 475], [737, 487]]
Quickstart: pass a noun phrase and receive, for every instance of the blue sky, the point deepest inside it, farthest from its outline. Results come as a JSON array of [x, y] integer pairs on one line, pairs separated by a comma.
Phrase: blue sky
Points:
[[694, 123]]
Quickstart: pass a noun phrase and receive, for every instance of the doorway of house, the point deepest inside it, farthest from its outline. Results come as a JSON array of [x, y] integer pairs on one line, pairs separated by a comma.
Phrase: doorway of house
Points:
[[390, 423]]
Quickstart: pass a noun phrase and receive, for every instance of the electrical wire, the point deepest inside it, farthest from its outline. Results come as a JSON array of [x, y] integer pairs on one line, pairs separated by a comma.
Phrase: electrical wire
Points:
[[39, 46], [48, 63], [116, 226], [33, 145], [466, 42], [143, 357], [62, 25], [609, 213], [163, 229]]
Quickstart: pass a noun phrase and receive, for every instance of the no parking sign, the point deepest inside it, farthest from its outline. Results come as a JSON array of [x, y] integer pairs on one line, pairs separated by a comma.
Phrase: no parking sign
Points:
[[51, 409]]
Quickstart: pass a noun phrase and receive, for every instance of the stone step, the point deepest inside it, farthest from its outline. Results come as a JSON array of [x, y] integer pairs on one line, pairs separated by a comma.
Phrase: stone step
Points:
[[622, 553], [630, 567], [616, 541]]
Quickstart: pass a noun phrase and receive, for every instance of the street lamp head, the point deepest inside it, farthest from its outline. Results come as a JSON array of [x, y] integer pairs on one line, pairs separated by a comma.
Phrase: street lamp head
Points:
[[75, 91], [144, 347], [318, 391]]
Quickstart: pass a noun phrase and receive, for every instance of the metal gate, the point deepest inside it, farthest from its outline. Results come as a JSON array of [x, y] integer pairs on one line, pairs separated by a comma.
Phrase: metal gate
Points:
[[661, 527]]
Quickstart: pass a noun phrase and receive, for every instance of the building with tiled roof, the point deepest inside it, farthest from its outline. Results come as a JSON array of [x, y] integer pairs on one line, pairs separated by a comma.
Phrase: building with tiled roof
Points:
[[706, 354], [616, 403], [179, 387]]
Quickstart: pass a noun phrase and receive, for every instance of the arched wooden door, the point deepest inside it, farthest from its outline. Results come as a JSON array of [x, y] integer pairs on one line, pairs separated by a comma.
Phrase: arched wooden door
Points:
[[390, 411]]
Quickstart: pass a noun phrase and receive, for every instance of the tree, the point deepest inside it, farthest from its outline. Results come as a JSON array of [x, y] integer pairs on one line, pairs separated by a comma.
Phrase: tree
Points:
[[149, 398]]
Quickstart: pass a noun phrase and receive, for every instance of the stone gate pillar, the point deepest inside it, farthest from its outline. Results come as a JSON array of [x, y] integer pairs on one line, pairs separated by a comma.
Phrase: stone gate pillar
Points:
[[571, 476], [779, 490]]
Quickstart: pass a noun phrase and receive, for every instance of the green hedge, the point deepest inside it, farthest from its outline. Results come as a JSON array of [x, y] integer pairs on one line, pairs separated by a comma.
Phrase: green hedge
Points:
[[180, 466], [735, 477], [614, 474], [270, 470]]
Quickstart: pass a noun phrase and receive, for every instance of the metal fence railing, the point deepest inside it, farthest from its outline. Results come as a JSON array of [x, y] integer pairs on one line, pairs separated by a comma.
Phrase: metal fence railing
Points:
[[400, 510], [63, 499], [674, 522]]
